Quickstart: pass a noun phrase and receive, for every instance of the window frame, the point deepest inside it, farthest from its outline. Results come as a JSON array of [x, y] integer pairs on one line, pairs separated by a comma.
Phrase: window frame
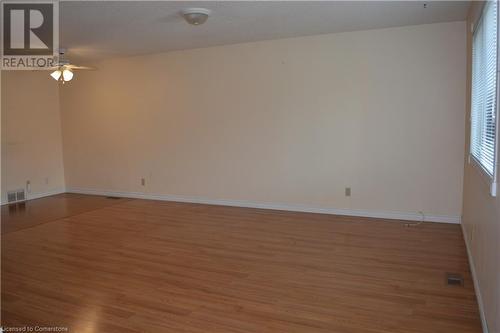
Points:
[[491, 179]]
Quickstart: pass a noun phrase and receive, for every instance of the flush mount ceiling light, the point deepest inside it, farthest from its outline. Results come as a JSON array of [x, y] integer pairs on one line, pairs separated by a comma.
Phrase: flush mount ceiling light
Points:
[[195, 16]]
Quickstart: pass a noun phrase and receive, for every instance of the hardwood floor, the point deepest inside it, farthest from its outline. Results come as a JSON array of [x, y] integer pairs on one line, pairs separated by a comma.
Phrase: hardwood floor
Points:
[[150, 266], [31, 213]]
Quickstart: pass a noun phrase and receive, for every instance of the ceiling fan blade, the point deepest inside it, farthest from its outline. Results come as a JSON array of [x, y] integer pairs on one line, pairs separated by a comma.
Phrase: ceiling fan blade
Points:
[[80, 67]]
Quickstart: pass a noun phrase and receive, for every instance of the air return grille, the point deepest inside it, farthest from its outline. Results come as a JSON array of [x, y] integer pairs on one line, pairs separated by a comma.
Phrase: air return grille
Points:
[[16, 196]]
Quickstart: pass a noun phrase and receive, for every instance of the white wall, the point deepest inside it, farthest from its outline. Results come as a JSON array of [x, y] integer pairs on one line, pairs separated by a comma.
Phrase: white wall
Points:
[[291, 121], [31, 133], [481, 219]]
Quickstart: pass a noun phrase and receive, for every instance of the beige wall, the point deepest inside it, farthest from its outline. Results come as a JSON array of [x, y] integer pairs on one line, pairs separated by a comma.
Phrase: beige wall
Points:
[[31, 133], [481, 219], [1, 144], [291, 121]]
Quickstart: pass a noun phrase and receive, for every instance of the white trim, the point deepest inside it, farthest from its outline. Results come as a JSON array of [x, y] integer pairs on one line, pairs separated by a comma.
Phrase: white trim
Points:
[[276, 206], [33, 196], [475, 280], [493, 189], [488, 180]]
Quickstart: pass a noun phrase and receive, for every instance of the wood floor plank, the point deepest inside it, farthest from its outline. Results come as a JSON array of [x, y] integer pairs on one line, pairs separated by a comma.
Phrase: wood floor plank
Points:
[[151, 266]]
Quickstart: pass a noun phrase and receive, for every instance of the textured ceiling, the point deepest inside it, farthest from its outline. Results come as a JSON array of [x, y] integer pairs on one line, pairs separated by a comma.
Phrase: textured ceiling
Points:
[[93, 30]]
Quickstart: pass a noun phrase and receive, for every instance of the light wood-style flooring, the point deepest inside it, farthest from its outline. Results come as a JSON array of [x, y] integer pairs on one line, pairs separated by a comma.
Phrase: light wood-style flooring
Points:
[[93, 264]]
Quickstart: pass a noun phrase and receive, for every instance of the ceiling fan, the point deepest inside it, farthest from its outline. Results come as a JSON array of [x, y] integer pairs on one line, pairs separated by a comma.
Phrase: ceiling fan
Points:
[[63, 70]]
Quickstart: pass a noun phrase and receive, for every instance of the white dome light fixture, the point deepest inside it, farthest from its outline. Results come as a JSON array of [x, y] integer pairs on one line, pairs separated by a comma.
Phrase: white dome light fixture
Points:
[[195, 16]]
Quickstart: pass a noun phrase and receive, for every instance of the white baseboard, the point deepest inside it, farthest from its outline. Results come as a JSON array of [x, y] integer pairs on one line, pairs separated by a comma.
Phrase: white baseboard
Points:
[[276, 206], [33, 196], [477, 289]]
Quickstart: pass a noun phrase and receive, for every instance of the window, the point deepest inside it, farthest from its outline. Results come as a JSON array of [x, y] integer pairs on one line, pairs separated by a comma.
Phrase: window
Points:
[[484, 92]]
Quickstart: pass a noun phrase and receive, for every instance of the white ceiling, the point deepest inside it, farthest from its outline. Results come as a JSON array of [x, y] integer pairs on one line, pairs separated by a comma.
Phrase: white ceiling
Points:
[[93, 30]]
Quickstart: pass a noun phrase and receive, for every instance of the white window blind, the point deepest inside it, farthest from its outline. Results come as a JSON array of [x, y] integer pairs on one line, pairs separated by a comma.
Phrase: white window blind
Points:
[[484, 91]]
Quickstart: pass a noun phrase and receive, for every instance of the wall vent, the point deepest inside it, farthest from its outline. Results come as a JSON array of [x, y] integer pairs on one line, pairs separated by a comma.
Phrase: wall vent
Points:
[[11, 196], [21, 196], [16, 196]]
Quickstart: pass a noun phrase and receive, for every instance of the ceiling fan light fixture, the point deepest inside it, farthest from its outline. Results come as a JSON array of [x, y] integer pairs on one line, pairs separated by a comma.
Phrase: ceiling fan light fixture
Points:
[[56, 74], [67, 75], [196, 16]]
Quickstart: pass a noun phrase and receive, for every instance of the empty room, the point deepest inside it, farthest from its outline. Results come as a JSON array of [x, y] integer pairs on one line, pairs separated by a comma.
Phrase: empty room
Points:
[[250, 167]]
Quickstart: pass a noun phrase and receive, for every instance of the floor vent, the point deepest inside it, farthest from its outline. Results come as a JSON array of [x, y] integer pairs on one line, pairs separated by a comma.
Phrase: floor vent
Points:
[[113, 198], [16, 196], [453, 279]]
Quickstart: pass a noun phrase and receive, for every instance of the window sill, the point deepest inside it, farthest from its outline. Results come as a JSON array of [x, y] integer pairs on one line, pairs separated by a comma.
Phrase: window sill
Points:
[[484, 175]]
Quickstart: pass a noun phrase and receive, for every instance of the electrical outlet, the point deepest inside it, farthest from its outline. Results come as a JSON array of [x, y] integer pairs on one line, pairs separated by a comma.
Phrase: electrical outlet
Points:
[[143, 181], [347, 191], [28, 186], [46, 180]]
